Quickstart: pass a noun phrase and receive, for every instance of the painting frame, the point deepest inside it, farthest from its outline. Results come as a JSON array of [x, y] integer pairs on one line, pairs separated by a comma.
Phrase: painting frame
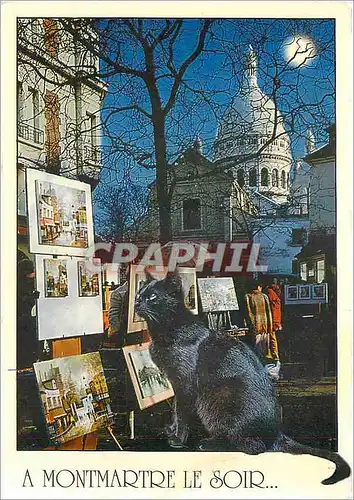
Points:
[[302, 289], [93, 284], [291, 293], [74, 396], [84, 229], [205, 290], [185, 273], [136, 276], [144, 401], [322, 288], [56, 283]]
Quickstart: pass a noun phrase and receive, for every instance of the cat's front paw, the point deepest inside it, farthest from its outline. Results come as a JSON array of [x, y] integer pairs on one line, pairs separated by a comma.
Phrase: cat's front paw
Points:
[[170, 429]]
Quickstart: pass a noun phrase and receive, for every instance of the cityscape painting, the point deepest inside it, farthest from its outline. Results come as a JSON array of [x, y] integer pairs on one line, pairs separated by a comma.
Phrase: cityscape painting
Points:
[[74, 396], [60, 220], [62, 215], [189, 288], [217, 294], [150, 384], [56, 278], [88, 280]]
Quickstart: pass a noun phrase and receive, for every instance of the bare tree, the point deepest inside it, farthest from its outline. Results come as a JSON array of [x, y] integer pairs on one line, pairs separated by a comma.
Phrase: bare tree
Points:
[[172, 79]]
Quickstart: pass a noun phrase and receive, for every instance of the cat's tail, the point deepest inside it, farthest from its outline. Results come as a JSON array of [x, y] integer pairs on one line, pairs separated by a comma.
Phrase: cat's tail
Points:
[[288, 445]]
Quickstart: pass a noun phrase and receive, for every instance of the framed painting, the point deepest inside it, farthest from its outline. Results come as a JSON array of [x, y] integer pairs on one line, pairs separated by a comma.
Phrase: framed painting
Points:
[[319, 292], [304, 292], [70, 300], [137, 280], [291, 293], [150, 385], [59, 214], [89, 283], [189, 288], [217, 294], [56, 278], [74, 396]]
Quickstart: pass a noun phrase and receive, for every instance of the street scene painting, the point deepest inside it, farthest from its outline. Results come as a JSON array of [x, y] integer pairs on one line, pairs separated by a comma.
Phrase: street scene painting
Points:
[[56, 278], [74, 396], [62, 215], [217, 294], [88, 280], [150, 384], [189, 288]]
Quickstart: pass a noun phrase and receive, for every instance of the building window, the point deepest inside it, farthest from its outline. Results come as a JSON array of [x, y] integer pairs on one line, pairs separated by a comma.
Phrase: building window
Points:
[[241, 177], [264, 177], [275, 178], [92, 153], [34, 103], [283, 179], [20, 102], [303, 271], [320, 270], [298, 236], [192, 214], [35, 31], [253, 177]]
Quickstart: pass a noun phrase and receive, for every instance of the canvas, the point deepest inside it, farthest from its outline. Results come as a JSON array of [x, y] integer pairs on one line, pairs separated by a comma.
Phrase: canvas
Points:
[[217, 294], [88, 280], [150, 385], [74, 396], [136, 281], [56, 278], [189, 288], [60, 214]]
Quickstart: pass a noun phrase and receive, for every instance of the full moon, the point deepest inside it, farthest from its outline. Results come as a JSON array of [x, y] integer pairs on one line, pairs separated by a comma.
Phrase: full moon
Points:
[[299, 50]]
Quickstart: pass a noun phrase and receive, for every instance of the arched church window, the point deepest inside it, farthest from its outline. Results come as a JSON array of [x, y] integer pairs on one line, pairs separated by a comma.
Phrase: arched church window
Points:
[[275, 178], [241, 177], [283, 179], [253, 177], [264, 177]]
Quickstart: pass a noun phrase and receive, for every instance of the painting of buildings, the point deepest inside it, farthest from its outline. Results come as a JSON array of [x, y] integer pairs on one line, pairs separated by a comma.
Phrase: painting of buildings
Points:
[[189, 288], [74, 396], [88, 280], [150, 384], [56, 278], [62, 215], [217, 294]]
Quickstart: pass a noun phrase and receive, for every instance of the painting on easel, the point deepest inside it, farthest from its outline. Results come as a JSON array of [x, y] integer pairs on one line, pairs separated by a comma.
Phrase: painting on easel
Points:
[[74, 396]]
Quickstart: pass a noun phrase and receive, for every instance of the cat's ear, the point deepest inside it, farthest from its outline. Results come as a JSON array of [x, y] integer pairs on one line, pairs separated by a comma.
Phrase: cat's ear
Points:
[[173, 283]]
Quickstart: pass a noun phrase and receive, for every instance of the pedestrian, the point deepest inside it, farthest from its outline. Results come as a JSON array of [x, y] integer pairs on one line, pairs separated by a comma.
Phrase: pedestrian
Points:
[[118, 314], [260, 323], [26, 324]]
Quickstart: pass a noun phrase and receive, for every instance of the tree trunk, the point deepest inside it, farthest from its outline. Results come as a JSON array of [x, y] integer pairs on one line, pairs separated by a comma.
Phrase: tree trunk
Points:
[[158, 121], [163, 198]]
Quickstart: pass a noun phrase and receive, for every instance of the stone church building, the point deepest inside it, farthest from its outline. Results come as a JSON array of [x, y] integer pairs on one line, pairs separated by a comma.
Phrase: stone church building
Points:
[[246, 192]]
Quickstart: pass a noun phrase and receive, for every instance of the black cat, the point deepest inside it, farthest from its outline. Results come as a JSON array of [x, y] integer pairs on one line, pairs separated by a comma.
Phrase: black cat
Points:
[[217, 380]]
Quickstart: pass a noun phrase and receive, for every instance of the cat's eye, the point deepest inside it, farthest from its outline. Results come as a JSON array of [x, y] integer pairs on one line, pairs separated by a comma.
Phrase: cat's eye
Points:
[[153, 296]]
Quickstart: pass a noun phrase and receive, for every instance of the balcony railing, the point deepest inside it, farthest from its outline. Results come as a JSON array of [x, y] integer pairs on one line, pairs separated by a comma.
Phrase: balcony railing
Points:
[[29, 133]]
